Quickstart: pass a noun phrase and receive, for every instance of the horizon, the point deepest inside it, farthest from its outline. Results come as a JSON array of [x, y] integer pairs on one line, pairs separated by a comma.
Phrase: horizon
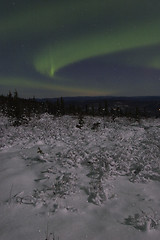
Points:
[[104, 96]]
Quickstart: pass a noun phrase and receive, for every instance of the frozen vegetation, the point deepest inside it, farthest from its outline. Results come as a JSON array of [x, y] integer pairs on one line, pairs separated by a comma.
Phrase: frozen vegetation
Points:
[[99, 180]]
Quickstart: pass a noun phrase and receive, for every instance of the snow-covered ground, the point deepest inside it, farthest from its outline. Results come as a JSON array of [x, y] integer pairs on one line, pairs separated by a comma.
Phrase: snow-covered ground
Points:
[[95, 184]]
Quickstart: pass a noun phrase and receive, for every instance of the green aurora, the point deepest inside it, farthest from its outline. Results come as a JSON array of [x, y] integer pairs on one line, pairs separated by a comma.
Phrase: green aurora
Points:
[[62, 33], [53, 58]]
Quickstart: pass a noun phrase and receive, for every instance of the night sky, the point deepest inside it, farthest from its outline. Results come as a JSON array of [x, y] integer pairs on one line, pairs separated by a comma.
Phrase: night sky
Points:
[[53, 48]]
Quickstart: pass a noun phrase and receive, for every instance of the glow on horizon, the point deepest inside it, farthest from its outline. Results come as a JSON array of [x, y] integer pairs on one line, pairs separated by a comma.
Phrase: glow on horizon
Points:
[[22, 82]]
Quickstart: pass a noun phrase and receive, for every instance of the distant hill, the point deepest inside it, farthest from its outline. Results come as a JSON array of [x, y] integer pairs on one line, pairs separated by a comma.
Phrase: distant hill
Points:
[[150, 104], [82, 99]]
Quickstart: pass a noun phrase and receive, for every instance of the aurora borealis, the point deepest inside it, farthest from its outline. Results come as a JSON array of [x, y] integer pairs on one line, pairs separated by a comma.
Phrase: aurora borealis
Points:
[[52, 48]]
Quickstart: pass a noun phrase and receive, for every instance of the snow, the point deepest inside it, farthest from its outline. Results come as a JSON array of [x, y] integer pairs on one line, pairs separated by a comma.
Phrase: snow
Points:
[[58, 181]]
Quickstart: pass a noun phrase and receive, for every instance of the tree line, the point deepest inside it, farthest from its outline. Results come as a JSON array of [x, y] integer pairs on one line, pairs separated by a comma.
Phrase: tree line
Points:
[[20, 110]]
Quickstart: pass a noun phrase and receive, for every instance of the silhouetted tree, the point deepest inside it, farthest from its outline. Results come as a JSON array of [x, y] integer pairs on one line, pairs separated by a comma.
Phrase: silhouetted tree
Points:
[[106, 111], [15, 94], [62, 106], [100, 109], [93, 111], [86, 109]]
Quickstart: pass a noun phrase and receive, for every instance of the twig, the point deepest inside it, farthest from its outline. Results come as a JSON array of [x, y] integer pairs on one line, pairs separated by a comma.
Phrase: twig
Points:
[[10, 194]]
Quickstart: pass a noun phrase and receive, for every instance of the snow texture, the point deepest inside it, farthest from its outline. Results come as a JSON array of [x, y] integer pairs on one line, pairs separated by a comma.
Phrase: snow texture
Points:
[[99, 181]]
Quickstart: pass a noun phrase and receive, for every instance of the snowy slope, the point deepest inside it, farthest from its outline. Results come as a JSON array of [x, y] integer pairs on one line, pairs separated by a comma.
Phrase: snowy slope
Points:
[[86, 183]]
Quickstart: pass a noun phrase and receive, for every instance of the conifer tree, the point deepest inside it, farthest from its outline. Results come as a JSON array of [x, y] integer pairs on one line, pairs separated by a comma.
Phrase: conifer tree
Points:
[[106, 111]]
